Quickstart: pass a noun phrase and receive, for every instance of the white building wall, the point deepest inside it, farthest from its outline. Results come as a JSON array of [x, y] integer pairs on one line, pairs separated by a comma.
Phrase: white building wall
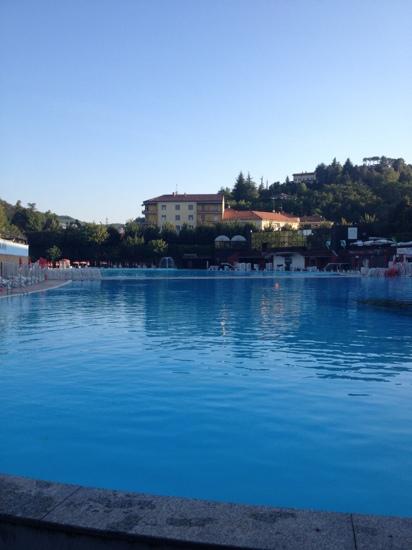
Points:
[[297, 261], [9, 248], [299, 178]]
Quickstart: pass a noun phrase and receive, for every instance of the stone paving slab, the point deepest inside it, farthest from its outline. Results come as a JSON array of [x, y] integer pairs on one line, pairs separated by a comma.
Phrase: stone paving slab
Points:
[[382, 533], [102, 510], [166, 522], [31, 498], [203, 522], [247, 526]]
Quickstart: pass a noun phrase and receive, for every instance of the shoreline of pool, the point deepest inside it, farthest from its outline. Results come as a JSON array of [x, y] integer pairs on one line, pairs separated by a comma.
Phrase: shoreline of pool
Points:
[[48, 515]]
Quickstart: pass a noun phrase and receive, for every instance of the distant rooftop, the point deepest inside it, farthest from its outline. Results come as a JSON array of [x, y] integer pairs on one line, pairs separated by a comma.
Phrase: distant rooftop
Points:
[[185, 197], [304, 174]]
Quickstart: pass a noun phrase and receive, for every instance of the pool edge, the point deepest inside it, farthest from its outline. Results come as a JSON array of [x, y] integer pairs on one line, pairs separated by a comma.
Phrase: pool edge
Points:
[[42, 514], [43, 286]]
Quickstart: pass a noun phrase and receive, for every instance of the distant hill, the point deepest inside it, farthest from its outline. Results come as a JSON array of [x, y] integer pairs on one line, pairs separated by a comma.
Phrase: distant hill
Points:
[[378, 191], [17, 220], [65, 221]]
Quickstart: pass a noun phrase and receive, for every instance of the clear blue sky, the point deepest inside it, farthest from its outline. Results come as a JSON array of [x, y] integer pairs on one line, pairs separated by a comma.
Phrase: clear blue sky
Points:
[[104, 103]]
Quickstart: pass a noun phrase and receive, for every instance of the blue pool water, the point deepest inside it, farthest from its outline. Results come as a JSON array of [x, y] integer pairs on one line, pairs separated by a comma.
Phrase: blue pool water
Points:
[[219, 388]]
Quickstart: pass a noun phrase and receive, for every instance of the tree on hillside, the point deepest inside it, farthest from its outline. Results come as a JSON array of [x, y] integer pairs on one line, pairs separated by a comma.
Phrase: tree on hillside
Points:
[[150, 233], [158, 247], [334, 171], [226, 192], [28, 219], [51, 221], [4, 222], [53, 253], [239, 187], [244, 188], [95, 233], [133, 228], [321, 174], [169, 233], [348, 168]]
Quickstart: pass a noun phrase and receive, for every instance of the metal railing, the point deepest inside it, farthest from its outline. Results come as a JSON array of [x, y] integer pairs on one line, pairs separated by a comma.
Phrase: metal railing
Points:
[[13, 275]]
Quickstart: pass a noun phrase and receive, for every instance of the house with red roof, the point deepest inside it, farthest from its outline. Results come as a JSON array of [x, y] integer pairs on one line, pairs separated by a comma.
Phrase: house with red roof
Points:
[[261, 220], [208, 209]]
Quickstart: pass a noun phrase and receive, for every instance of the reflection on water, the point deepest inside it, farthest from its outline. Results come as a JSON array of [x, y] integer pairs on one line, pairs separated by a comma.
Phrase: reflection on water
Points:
[[219, 389], [321, 325]]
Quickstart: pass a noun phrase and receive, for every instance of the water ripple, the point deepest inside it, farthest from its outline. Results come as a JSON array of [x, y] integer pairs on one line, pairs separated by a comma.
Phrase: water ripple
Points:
[[187, 387]]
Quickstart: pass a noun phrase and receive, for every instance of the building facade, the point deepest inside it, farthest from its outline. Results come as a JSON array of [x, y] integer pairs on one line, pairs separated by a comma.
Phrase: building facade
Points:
[[304, 177], [184, 209]]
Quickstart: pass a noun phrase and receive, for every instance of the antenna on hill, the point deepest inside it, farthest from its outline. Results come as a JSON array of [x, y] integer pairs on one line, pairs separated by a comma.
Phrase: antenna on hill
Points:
[[177, 190]]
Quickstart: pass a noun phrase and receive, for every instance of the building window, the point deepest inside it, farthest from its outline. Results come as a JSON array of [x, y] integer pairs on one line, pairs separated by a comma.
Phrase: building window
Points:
[[190, 207], [163, 207], [177, 217], [163, 218], [177, 206], [190, 217]]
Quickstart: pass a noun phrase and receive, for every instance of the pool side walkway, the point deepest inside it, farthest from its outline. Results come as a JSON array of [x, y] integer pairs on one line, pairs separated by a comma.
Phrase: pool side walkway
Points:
[[42, 515], [32, 289]]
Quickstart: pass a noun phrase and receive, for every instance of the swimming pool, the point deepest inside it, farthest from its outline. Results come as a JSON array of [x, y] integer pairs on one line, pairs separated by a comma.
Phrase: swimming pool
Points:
[[284, 390]]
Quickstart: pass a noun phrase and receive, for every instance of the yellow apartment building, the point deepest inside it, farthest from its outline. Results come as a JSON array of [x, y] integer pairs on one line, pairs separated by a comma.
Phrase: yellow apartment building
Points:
[[179, 209]]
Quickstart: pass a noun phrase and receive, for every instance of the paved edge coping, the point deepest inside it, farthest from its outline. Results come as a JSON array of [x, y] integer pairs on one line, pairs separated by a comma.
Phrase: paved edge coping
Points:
[[24, 291], [149, 521]]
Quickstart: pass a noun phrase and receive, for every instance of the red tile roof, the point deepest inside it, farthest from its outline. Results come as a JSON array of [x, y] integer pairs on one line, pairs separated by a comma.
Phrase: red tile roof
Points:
[[183, 197], [232, 215]]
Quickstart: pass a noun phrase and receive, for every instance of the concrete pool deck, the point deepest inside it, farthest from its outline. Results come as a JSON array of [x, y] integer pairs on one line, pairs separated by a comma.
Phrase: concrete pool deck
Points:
[[40, 515], [33, 289]]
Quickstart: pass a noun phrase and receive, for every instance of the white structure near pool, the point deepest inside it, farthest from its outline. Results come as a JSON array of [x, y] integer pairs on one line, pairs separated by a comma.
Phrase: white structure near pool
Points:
[[288, 261], [14, 251]]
